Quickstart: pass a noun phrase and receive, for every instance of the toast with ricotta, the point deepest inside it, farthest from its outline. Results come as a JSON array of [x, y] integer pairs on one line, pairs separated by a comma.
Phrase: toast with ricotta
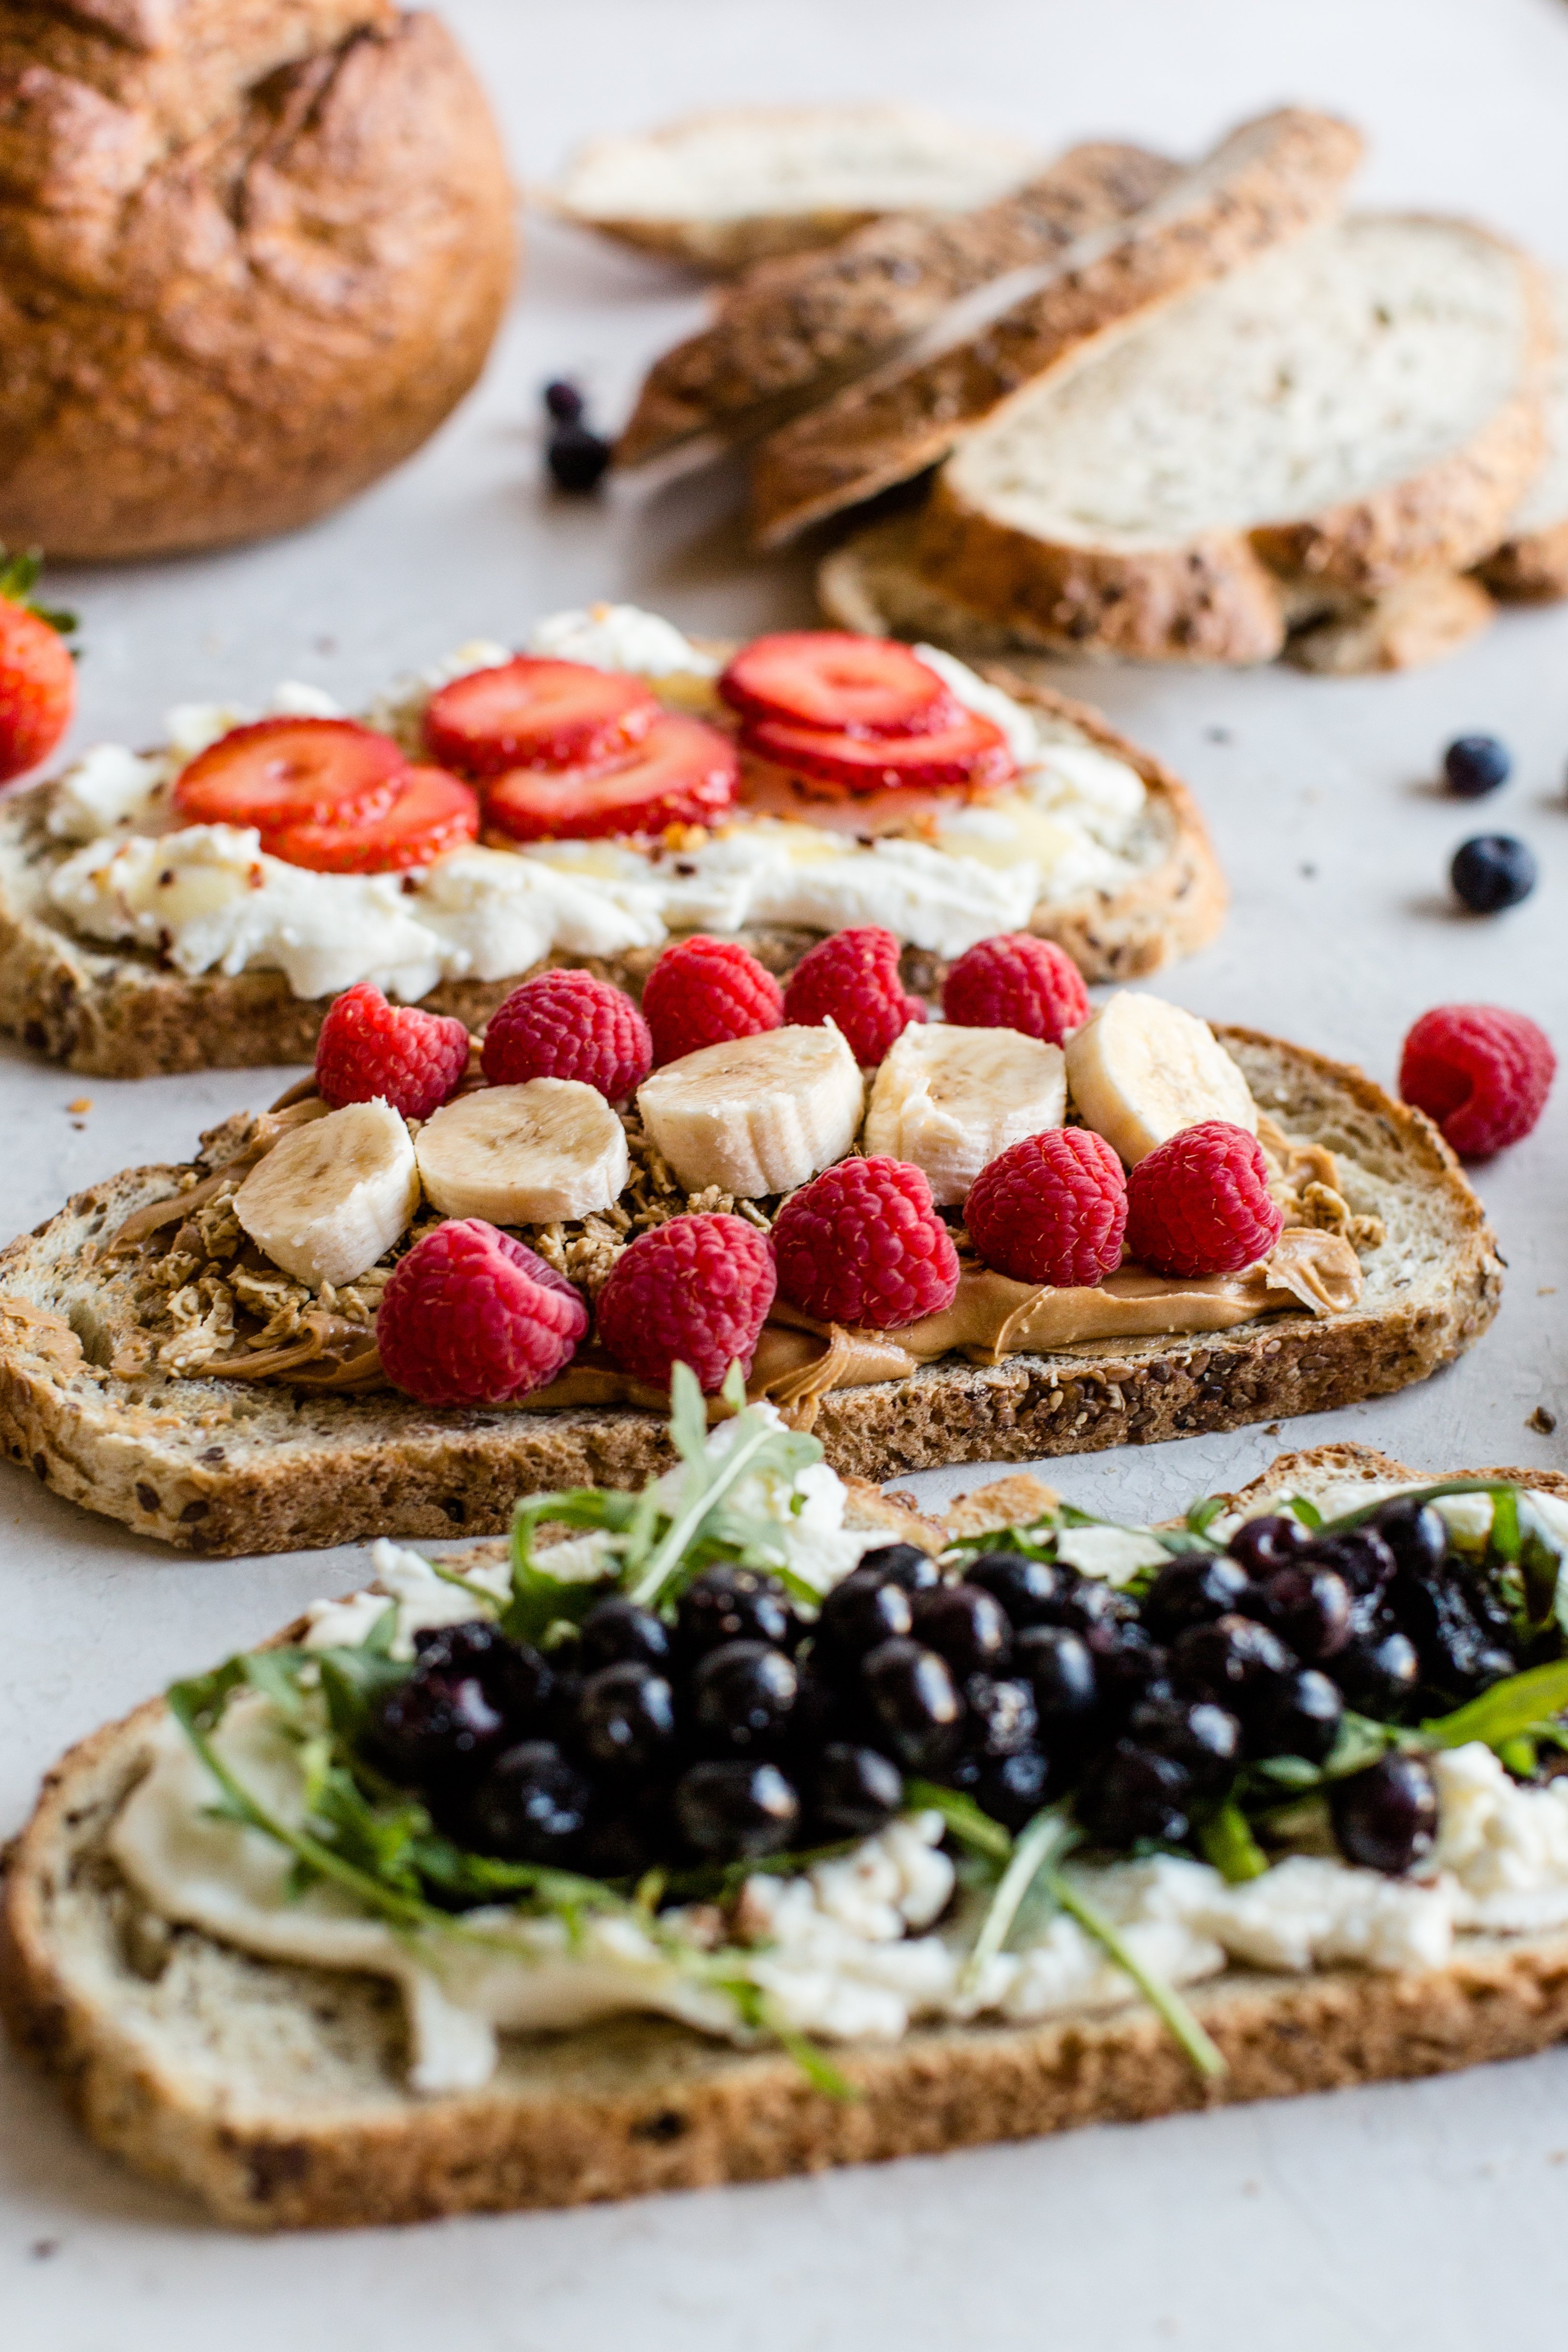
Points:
[[156, 999], [195, 2041], [208, 1398]]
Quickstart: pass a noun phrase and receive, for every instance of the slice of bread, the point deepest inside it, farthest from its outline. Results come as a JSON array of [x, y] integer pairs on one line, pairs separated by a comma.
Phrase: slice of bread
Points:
[[793, 330], [277, 2095], [225, 1466], [727, 188], [1532, 561], [120, 1013], [1268, 182], [1362, 406]]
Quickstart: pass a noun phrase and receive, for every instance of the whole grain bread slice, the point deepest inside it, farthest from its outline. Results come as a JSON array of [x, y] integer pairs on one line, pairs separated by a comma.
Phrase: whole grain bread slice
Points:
[[1362, 408], [792, 330], [1531, 564], [226, 1466], [1265, 184], [277, 2095], [121, 1012]]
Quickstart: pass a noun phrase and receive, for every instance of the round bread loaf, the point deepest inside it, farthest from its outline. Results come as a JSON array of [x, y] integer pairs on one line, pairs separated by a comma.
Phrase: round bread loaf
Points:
[[251, 253]]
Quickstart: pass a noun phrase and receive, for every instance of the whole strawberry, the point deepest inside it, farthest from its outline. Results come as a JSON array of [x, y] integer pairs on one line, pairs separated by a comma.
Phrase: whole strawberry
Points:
[[38, 675]]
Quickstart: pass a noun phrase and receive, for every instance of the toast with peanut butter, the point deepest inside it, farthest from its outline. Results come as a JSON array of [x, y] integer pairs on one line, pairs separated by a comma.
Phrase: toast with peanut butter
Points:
[[157, 1364]]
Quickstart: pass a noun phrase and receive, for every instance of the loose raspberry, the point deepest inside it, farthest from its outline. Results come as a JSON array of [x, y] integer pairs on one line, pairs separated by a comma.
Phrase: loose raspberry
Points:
[[470, 1317], [853, 979], [695, 1291], [1199, 1203], [862, 1244], [1481, 1074], [1052, 1208], [414, 1060], [567, 1024], [702, 991], [1016, 981]]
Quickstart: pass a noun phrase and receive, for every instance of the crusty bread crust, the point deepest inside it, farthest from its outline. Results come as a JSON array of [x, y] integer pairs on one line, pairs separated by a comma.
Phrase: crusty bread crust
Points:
[[117, 1013], [795, 328], [224, 1466], [252, 256], [1286, 172], [276, 2096], [1532, 569]]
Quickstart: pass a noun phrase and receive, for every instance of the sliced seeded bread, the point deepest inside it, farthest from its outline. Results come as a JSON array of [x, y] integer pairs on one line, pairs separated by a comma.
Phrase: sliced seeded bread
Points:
[[1362, 406], [277, 2095], [224, 1466], [724, 189], [792, 330], [1264, 184], [119, 1013], [1532, 561]]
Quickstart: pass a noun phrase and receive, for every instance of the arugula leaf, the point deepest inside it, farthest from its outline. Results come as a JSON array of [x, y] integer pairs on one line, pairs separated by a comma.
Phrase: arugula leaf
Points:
[[757, 1445], [1226, 1841], [1163, 1999], [1433, 1493], [969, 1825], [1517, 1705], [1042, 1841], [1201, 1516], [1306, 1511], [352, 1681]]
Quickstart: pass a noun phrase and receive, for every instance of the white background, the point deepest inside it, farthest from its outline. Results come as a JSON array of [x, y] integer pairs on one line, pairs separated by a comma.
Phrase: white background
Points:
[[1433, 2214]]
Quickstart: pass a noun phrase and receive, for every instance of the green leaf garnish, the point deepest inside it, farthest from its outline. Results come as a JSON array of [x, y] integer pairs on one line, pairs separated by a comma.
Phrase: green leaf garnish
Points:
[[1184, 2027], [1045, 1840], [1226, 1841], [1518, 1706]]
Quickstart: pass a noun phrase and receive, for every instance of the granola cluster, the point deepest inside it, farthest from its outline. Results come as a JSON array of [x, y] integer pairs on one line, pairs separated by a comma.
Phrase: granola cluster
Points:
[[586, 1249], [1306, 1186]]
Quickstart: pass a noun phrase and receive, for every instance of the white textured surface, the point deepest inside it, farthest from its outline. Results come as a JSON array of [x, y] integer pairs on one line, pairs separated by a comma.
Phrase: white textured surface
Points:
[[1428, 2214]]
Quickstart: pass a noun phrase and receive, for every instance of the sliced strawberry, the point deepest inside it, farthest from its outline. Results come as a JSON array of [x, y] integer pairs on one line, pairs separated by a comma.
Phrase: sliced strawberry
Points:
[[430, 813], [288, 771], [971, 752], [681, 773], [536, 714], [823, 678]]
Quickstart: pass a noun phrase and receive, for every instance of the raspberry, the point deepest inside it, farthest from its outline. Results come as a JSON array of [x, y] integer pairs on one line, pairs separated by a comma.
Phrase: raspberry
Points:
[[862, 1244], [1050, 1209], [1016, 981], [853, 979], [695, 1291], [470, 1317], [567, 1024], [704, 991], [1481, 1074], [368, 1048], [1199, 1203]]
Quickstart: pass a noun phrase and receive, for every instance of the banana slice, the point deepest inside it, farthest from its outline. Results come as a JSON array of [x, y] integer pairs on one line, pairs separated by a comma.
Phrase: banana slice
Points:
[[949, 1099], [524, 1155], [331, 1198], [755, 1115], [1141, 1070]]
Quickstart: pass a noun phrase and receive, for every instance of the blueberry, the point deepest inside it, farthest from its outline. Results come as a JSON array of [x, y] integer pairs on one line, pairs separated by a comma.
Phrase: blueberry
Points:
[[1416, 1535], [966, 1626], [577, 458], [1030, 1590], [1379, 1670], [1133, 1794], [1386, 1817], [1475, 765], [1360, 1556], [867, 1608], [1089, 1603], [1013, 1788], [437, 1728], [1461, 1653], [1127, 1666], [1493, 870], [903, 1564], [1263, 1545], [735, 1604], [915, 1702], [1203, 1738], [1235, 1660], [736, 1810], [743, 1696], [614, 1632], [626, 1716], [1301, 1716], [1059, 1666], [1307, 1607], [1193, 1591], [530, 1806], [563, 401], [855, 1791], [516, 1679], [1002, 1718]]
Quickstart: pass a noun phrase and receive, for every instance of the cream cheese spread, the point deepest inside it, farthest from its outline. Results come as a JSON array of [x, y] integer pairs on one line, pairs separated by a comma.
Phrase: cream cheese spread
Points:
[[206, 900]]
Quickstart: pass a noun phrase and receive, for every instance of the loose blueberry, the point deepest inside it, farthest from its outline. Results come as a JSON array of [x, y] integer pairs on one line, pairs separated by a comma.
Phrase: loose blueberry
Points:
[[563, 401], [1203, 1738], [916, 1703], [735, 1604], [626, 1716], [1493, 870], [1386, 1817], [531, 1805], [903, 1564], [1030, 1592], [1475, 765], [577, 458], [855, 1791], [1134, 1795], [1261, 1546], [743, 1695], [1059, 1667], [1194, 1591], [1297, 1717], [737, 1810], [966, 1626], [866, 1608], [615, 1631]]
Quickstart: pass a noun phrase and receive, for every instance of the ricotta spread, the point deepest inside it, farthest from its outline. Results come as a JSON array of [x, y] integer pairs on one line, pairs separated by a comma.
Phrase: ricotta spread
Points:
[[206, 900]]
